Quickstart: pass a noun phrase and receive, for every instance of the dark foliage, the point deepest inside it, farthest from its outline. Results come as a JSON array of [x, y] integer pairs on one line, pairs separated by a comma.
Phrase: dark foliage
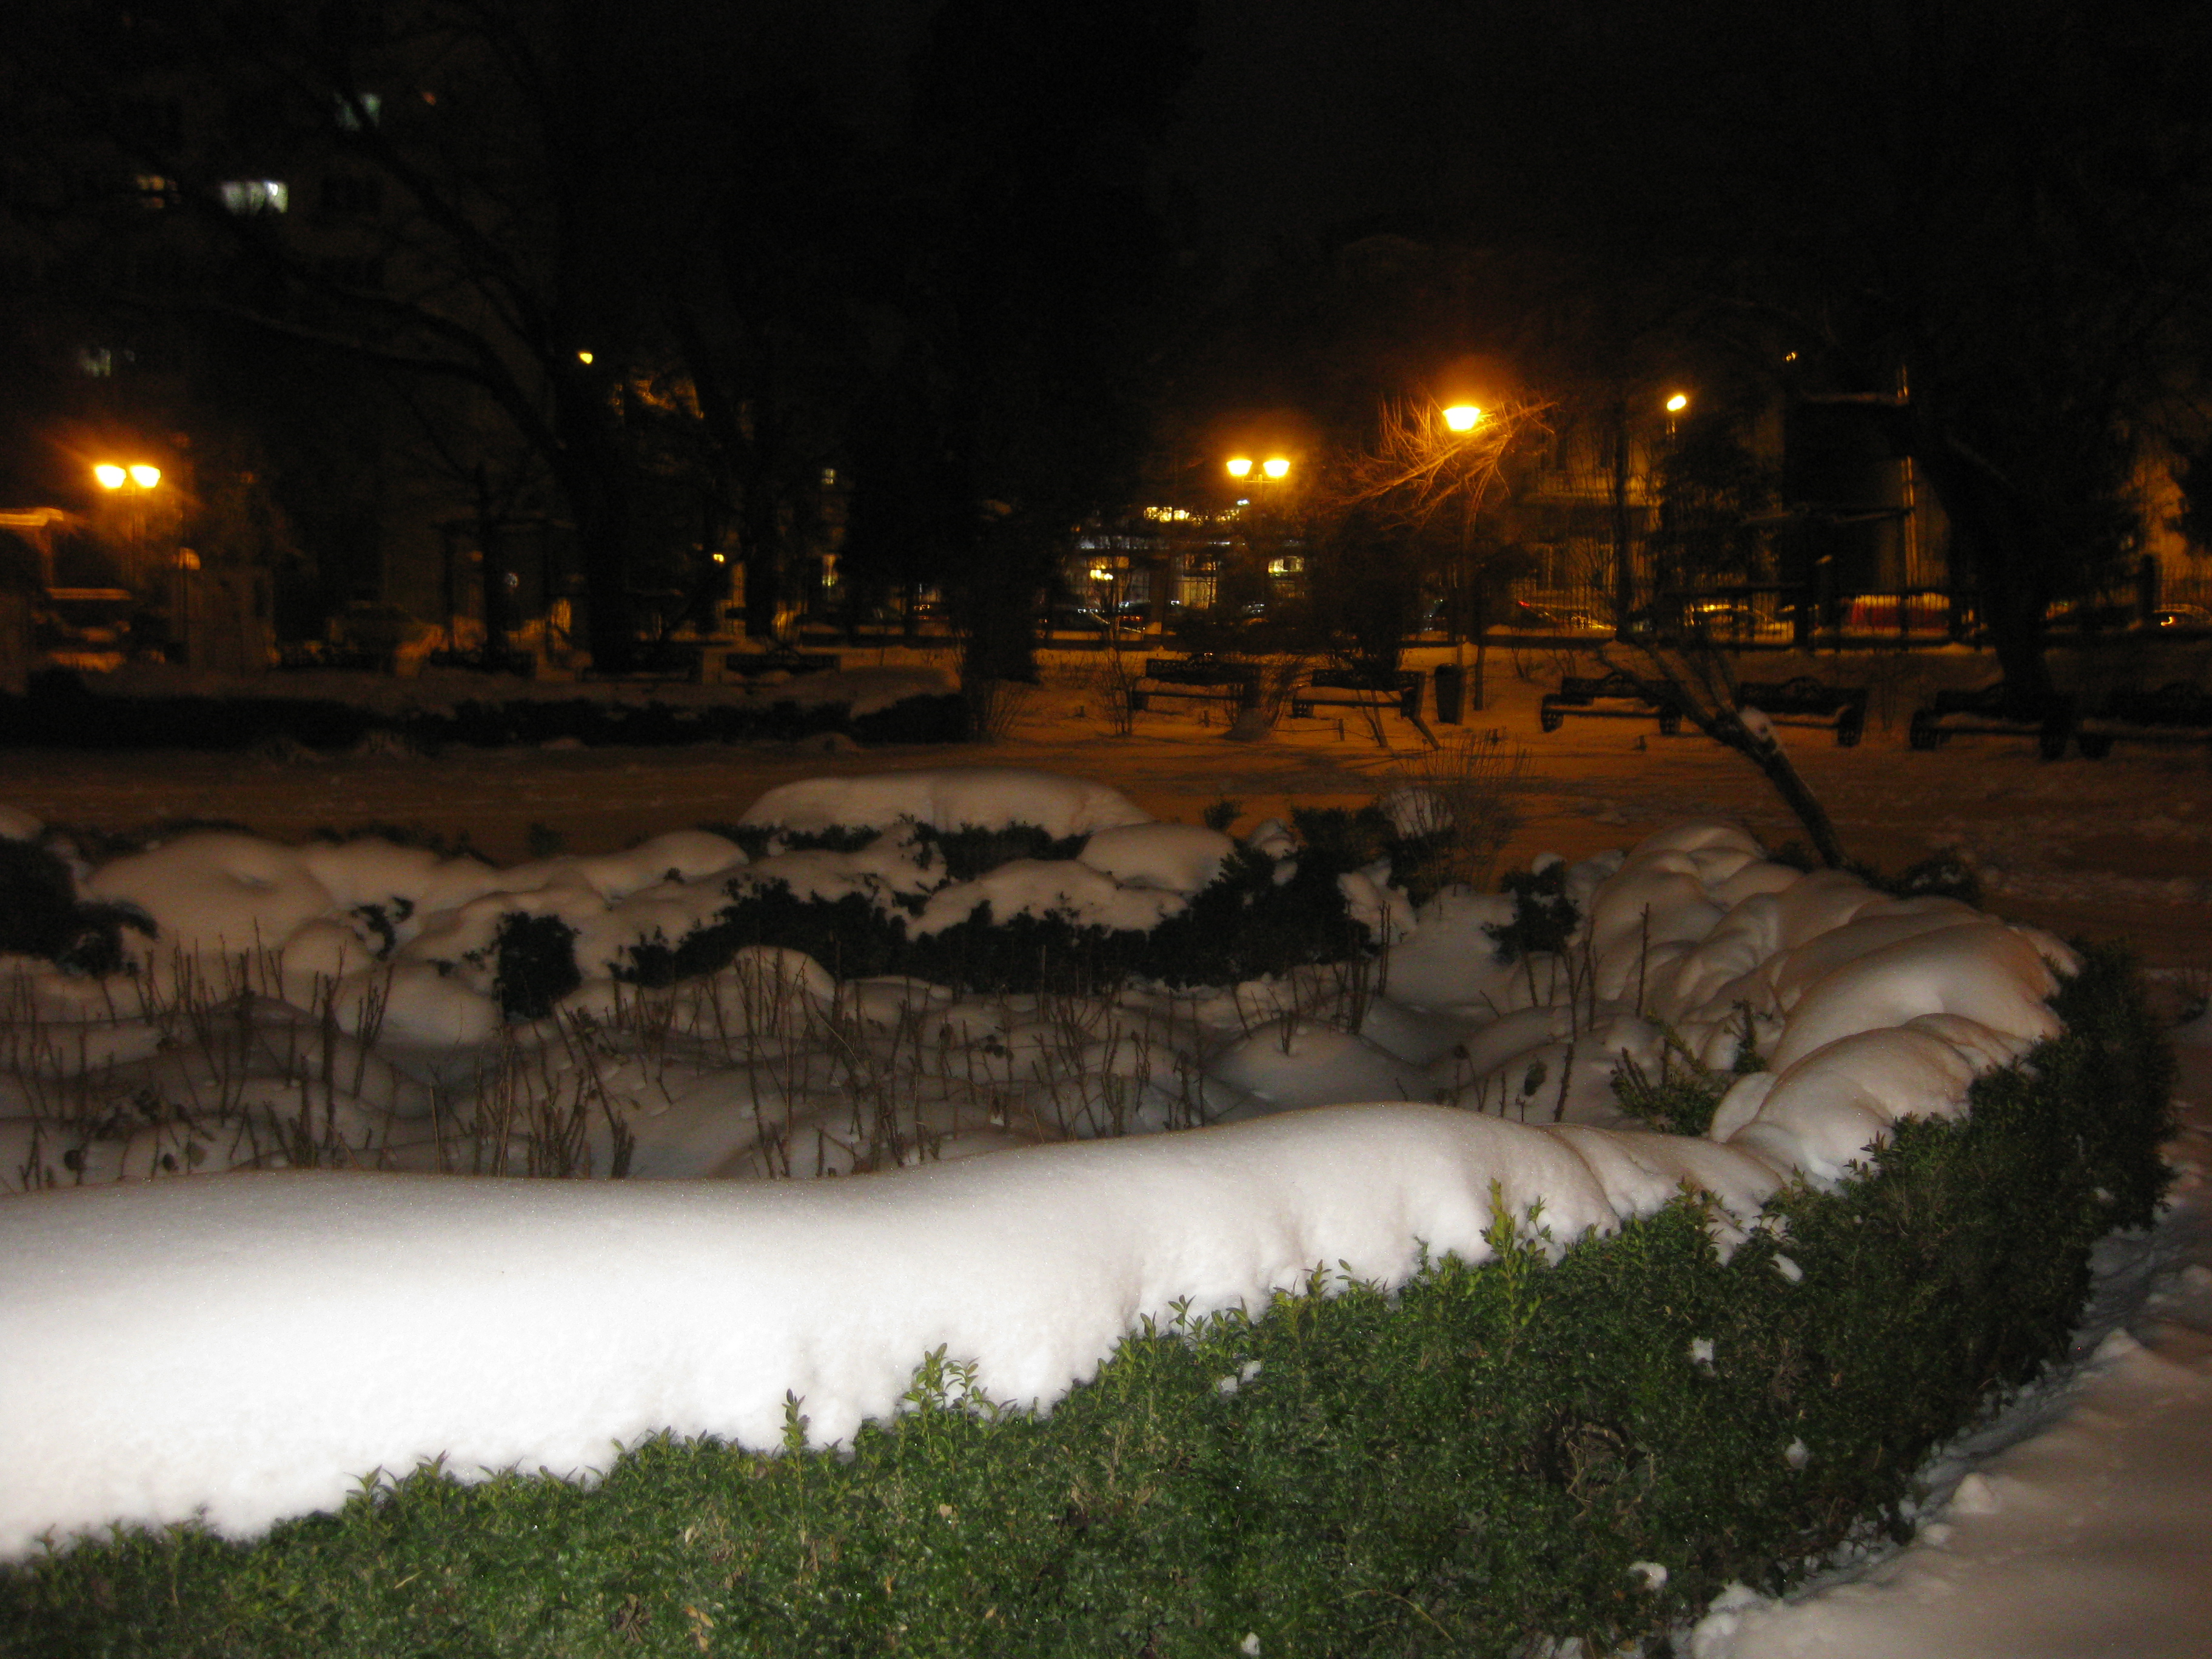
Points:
[[41, 916], [59, 712], [1944, 873], [536, 965], [1544, 917], [1243, 925]]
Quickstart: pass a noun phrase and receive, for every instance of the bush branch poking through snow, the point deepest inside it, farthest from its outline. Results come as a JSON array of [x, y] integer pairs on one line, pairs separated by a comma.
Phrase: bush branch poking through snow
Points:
[[1694, 675]]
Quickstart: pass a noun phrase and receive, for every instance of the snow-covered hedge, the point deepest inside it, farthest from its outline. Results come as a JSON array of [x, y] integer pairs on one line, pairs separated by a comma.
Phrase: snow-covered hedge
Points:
[[246, 1349], [1480, 1456]]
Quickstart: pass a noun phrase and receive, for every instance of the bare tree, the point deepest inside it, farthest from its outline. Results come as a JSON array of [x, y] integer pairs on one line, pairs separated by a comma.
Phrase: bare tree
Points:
[[1436, 477]]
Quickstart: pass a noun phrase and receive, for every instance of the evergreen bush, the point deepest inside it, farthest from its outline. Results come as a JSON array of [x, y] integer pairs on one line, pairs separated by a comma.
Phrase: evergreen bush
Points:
[[1488, 1455]]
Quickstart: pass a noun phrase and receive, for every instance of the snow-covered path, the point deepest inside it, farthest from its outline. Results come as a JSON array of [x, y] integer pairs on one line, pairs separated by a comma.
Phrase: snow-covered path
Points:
[[2079, 1525]]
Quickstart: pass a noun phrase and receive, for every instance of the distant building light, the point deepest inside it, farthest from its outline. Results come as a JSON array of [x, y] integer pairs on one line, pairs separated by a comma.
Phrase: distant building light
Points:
[[187, 559], [584, 357], [156, 190], [249, 196], [1288, 566], [98, 362], [828, 477], [363, 109]]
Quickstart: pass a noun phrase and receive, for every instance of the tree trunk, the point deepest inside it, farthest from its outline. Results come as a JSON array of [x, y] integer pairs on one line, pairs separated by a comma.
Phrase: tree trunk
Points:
[[592, 473]]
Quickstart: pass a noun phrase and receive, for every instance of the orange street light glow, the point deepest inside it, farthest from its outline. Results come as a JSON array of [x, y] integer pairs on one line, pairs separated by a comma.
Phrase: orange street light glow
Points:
[[1462, 417], [1276, 467], [1677, 404], [145, 476], [111, 477], [1240, 465]]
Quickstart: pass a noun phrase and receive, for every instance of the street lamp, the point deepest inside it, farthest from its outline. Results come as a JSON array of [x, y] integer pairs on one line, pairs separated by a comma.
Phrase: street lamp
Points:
[[137, 476], [131, 482], [1275, 468], [1462, 418]]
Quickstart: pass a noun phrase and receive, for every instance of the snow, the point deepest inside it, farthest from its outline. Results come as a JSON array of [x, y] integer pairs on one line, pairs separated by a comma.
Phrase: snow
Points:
[[2073, 1525], [988, 798], [543, 1323], [1177, 858], [538, 1323]]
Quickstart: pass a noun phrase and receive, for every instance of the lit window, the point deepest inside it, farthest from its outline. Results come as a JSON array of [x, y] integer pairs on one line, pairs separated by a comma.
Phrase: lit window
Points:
[[363, 109], [97, 361], [828, 477], [154, 190], [248, 196]]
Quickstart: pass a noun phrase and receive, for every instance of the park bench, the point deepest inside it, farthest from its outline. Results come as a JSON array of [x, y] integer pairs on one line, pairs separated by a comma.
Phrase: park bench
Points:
[[1206, 680], [1358, 688], [2176, 712], [1614, 696], [1805, 701], [1994, 711]]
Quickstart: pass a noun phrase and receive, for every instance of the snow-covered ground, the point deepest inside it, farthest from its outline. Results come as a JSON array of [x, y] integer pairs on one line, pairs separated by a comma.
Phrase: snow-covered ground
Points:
[[2080, 1522], [2077, 1539]]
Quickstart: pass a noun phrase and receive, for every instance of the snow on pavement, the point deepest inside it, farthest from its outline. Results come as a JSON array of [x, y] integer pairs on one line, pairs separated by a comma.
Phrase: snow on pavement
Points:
[[2079, 1524]]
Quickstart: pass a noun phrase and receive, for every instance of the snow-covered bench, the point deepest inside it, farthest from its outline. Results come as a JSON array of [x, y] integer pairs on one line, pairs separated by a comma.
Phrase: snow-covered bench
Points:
[[1994, 711], [1205, 679], [1353, 688], [1613, 696], [2179, 711], [1804, 701]]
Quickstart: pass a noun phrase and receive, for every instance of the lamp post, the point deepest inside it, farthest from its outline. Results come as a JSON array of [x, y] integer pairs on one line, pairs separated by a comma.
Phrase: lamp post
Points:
[[1257, 475], [130, 483], [1462, 421]]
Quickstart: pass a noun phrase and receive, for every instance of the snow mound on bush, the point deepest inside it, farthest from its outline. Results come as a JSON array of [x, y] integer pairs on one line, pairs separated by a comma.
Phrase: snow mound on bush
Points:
[[952, 797], [245, 1349], [1175, 858]]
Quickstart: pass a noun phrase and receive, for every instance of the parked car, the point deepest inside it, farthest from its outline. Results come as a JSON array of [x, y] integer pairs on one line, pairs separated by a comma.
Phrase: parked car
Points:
[[1522, 617], [2090, 617]]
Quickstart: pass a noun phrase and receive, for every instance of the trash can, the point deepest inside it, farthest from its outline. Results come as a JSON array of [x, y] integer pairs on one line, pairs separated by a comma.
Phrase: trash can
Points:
[[1451, 694]]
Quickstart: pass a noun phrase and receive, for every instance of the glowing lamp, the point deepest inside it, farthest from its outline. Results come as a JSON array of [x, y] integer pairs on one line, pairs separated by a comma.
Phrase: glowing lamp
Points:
[[111, 476], [145, 476], [1240, 465], [1462, 417], [1677, 404], [1276, 467]]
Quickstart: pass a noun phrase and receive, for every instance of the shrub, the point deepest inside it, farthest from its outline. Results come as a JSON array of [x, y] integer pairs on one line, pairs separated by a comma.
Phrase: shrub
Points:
[[1244, 924], [1459, 1467], [535, 964], [41, 916], [1544, 917]]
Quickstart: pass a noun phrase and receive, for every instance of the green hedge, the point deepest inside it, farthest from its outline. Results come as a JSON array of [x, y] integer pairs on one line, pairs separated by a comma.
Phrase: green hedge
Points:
[[1449, 1469]]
